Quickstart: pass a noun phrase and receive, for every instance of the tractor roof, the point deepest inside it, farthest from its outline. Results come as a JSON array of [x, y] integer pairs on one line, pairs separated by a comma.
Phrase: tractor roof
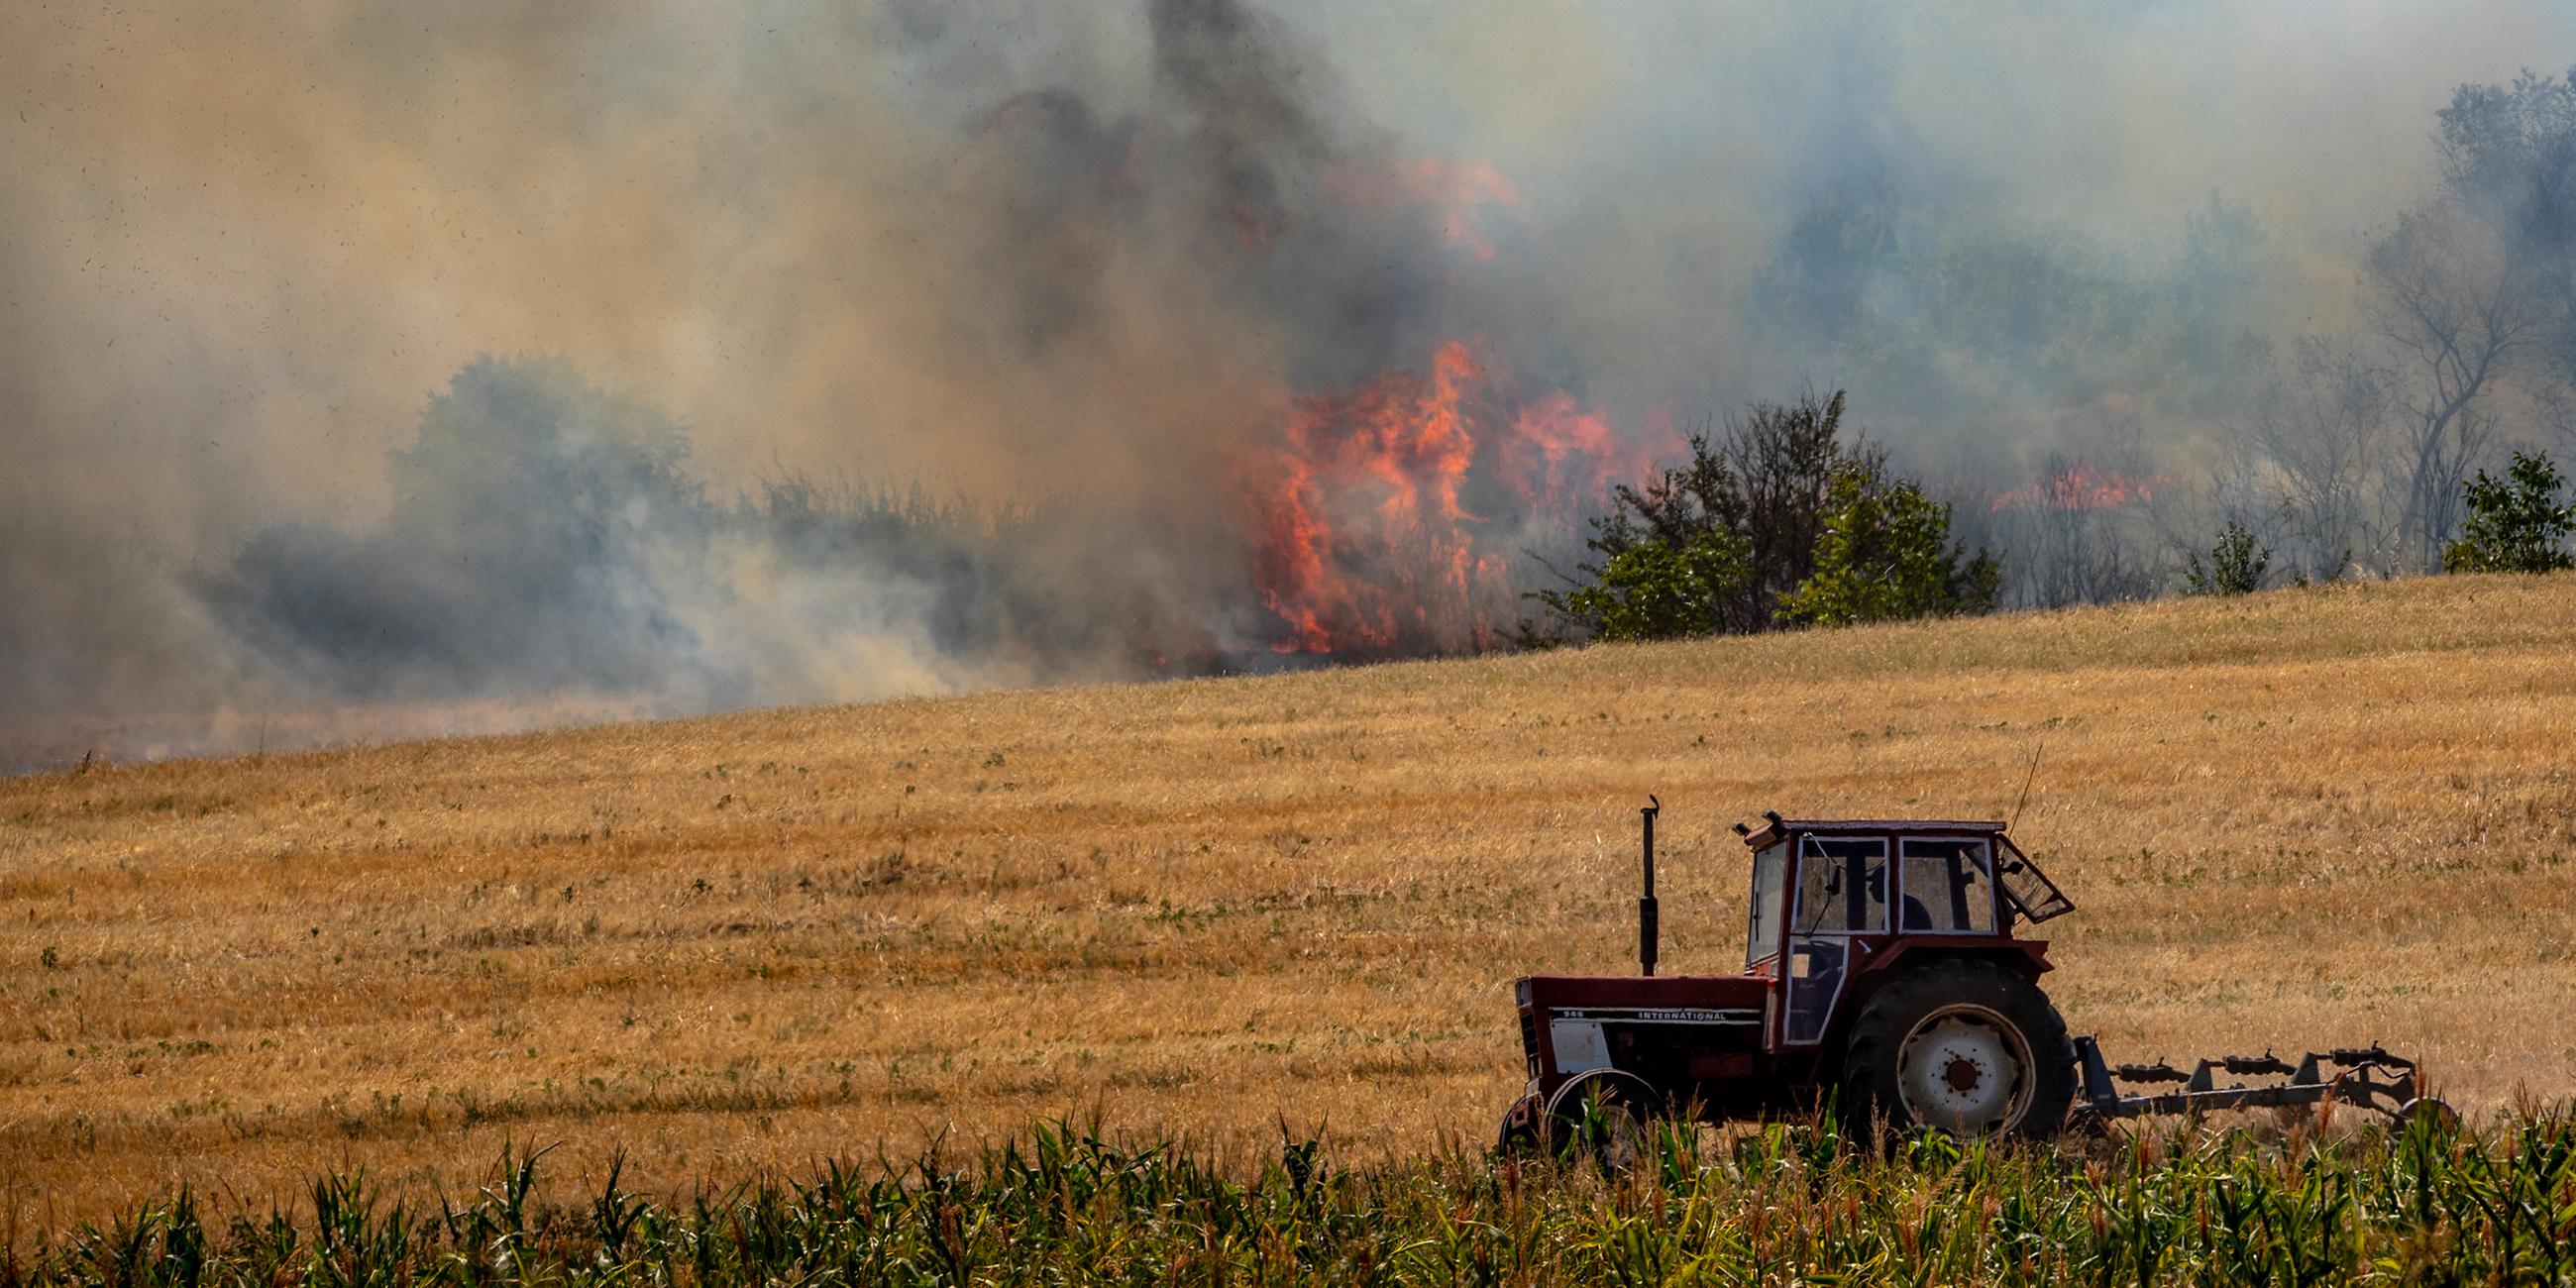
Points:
[[2033, 895], [1774, 827]]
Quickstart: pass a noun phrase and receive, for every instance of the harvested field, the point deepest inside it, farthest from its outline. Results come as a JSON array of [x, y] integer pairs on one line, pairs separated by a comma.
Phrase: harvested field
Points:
[[1197, 910]]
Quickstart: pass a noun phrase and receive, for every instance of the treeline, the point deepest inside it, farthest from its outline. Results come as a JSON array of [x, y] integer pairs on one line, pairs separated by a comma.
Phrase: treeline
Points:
[[2414, 440], [2360, 450], [2341, 440], [1781, 521]]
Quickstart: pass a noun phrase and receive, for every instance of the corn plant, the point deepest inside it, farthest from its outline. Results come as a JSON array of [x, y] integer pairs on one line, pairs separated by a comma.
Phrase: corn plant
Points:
[[1783, 1202]]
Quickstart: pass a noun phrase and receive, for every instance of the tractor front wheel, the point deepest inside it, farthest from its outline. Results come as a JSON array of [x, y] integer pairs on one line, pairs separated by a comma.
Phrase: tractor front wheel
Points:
[[1962, 1046], [1606, 1116], [1524, 1127]]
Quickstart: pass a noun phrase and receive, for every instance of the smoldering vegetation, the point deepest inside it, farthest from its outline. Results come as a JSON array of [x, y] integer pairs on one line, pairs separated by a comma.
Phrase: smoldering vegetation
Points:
[[547, 537], [922, 347]]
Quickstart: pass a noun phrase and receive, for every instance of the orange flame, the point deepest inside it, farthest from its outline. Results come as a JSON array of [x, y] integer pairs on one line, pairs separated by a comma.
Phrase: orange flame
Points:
[[2084, 487], [1369, 541]]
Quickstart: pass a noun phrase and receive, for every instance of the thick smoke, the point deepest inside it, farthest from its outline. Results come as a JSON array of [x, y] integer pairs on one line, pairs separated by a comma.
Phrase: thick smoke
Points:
[[922, 346]]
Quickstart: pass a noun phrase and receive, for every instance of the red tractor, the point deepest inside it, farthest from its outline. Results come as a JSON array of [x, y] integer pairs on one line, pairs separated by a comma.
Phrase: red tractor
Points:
[[1881, 971]]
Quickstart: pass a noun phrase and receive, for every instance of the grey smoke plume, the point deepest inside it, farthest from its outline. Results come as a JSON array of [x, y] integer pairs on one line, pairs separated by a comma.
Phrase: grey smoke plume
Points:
[[1068, 269]]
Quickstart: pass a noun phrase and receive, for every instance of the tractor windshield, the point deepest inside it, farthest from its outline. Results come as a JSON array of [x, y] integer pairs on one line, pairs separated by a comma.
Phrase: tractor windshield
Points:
[[1770, 885], [1842, 886], [2032, 895]]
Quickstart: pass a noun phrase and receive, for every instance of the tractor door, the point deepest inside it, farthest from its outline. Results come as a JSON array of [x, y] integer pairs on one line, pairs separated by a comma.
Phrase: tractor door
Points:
[[1841, 893], [1769, 912]]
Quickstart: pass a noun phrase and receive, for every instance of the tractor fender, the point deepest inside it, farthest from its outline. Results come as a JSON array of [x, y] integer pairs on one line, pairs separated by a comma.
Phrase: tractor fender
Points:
[[2029, 956], [1610, 1084]]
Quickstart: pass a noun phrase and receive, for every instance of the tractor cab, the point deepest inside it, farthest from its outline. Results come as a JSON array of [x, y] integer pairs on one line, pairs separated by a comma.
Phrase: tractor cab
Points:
[[1881, 969], [1836, 899]]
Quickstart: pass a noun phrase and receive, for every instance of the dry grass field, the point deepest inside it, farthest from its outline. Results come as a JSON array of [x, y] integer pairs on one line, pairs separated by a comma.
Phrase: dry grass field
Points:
[[1202, 908]]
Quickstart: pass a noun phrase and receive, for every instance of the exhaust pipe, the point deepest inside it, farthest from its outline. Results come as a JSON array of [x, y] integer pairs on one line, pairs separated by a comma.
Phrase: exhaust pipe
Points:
[[1646, 920]]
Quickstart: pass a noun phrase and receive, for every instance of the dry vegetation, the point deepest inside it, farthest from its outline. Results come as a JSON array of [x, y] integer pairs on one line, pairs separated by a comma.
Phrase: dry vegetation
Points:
[[1202, 908]]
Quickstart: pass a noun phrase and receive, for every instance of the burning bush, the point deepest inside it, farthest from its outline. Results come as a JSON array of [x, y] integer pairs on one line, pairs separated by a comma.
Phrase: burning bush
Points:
[[1390, 516]]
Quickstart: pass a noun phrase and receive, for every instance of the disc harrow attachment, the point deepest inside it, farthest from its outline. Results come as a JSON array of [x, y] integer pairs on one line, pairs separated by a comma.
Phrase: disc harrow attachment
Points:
[[2371, 1077]]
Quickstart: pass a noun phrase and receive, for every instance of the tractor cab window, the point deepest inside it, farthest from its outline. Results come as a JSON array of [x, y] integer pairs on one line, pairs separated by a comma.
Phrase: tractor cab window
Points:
[[1947, 887], [1842, 887], [1770, 887]]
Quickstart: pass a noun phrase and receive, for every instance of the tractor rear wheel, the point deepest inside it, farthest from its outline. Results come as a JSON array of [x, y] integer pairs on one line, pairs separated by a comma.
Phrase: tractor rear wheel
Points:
[[1962, 1046]]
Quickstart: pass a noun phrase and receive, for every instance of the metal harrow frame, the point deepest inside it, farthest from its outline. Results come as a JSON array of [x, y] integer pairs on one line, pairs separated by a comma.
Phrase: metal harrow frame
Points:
[[2354, 1080]]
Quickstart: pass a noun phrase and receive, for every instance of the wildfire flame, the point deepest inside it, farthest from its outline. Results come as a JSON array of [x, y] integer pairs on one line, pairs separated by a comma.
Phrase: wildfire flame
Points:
[[2084, 487], [1372, 540], [1389, 514]]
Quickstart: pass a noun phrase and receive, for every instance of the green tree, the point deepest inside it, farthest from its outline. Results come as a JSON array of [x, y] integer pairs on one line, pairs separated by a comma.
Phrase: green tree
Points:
[[1708, 547], [1661, 590], [1775, 524], [1885, 553], [2516, 523], [2236, 564]]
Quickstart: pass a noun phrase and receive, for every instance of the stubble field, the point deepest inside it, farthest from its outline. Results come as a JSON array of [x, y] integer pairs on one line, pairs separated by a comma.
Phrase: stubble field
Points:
[[1201, 910]]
